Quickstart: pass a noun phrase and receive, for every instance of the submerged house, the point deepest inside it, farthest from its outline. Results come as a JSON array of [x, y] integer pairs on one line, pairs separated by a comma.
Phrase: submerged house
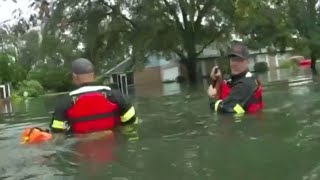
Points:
[[146, 81], [160, 69]]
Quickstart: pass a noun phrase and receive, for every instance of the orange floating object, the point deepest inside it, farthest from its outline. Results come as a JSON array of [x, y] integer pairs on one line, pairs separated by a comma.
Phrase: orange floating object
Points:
[[35, 135]]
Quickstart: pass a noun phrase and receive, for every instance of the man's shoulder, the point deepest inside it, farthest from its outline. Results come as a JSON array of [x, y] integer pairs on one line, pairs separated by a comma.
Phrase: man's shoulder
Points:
[[249, 80], [63, 101], [63, 97]]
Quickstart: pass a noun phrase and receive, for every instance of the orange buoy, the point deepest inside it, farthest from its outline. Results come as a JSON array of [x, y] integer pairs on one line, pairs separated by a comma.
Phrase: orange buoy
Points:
[[35, 135]]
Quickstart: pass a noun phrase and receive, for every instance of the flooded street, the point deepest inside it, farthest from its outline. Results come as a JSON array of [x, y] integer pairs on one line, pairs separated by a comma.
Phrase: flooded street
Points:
[[179, 138]]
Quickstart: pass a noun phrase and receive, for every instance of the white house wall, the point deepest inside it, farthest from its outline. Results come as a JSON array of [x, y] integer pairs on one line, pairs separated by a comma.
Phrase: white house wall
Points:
[[170, 74]]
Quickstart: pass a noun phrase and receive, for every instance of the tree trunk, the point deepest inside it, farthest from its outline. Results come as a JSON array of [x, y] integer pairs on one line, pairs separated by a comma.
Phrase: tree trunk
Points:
[[313, 62], [191, 66]]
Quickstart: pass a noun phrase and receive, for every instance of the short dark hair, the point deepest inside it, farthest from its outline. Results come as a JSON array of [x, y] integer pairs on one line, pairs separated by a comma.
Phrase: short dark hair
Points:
[[82, 66]]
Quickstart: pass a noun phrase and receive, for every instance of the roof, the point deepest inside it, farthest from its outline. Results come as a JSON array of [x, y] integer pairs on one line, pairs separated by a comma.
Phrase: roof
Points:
[[127, 65], [265, 51], [124, 66]]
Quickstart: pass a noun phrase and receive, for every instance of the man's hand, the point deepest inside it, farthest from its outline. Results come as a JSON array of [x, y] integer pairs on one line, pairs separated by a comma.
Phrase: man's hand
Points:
[[215, 73], [212, 92]]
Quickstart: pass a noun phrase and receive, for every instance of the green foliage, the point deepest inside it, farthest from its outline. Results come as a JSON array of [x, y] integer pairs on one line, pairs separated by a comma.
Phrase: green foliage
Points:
[[19, 73], [6, 69], [29, 49], [54, 78], [10, 71], [261, 67], [184, 28], [100, 80], [30, 88], [109, 35], [263, 23], [287, 63]]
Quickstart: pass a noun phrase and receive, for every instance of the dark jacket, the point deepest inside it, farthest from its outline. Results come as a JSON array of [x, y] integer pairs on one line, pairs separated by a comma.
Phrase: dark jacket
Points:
[[243, 88]]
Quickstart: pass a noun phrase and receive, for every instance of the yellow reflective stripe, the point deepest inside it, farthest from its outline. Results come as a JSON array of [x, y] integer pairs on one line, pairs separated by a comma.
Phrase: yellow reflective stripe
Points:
[[137, 121], [131, 132], [128, 115], [238, 109], [57, 124], [216, 105]]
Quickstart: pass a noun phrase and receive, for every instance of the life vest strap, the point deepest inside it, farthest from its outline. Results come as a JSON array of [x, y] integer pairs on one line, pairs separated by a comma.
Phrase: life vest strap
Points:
[[94, 117]]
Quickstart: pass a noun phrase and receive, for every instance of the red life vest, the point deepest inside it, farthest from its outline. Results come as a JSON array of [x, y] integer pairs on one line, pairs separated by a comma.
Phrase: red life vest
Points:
[[92, 111], [254, 104]]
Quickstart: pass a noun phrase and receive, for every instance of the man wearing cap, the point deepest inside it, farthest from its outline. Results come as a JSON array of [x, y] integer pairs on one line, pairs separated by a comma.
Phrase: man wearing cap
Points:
[[90, 108], [242, 92]]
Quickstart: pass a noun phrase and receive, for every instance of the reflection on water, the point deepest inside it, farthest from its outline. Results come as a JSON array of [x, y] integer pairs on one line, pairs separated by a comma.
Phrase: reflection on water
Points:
[[273, 75], [179, 138], [157, 89], [171, 89], [299, 90]]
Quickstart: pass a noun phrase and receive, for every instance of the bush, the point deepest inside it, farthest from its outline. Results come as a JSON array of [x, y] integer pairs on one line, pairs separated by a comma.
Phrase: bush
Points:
[[30, 88], [10, 71], [286, 64], [19, 74], [57, 79], [261, 67]]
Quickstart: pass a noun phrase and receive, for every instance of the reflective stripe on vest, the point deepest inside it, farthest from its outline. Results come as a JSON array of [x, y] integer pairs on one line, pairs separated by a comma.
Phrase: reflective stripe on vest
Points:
[[57, 124], [216, 105], [128, 115], [238, 109]]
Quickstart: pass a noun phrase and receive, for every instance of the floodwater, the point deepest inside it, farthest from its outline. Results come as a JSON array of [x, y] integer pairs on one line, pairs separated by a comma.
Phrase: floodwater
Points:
[[178, 138]]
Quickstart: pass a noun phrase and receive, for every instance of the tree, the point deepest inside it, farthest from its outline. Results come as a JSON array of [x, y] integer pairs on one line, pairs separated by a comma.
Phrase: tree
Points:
[[111, 31], [304, 16], [182, 27], [263, 23], [107, 32], [93, 25]]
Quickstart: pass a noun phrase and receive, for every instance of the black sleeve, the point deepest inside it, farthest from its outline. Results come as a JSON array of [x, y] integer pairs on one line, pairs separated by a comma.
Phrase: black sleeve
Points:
[[59, 114], [124, 105], [239, 96]]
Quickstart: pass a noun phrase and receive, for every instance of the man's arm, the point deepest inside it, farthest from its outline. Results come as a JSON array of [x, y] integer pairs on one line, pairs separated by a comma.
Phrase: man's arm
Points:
[[127, 111], [57, 124], [238, 98]]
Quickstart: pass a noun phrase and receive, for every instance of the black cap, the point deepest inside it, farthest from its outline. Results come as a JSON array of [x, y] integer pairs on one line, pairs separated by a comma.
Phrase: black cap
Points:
[[82, 66], [239, 49]]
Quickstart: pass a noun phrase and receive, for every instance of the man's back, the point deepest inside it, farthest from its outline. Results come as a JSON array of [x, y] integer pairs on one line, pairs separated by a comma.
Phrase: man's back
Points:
[[93, 108]]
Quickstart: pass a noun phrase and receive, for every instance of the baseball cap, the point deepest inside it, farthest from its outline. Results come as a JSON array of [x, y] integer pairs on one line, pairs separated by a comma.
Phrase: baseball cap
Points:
[[82, 66], [239, 49]]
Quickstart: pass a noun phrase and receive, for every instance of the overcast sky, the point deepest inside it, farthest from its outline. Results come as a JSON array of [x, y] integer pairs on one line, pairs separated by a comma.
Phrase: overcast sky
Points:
[[8, 6]]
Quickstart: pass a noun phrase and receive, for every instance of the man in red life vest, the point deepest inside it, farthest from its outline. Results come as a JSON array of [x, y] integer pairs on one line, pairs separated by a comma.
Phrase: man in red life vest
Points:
[[90, 108], [242, 92]]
